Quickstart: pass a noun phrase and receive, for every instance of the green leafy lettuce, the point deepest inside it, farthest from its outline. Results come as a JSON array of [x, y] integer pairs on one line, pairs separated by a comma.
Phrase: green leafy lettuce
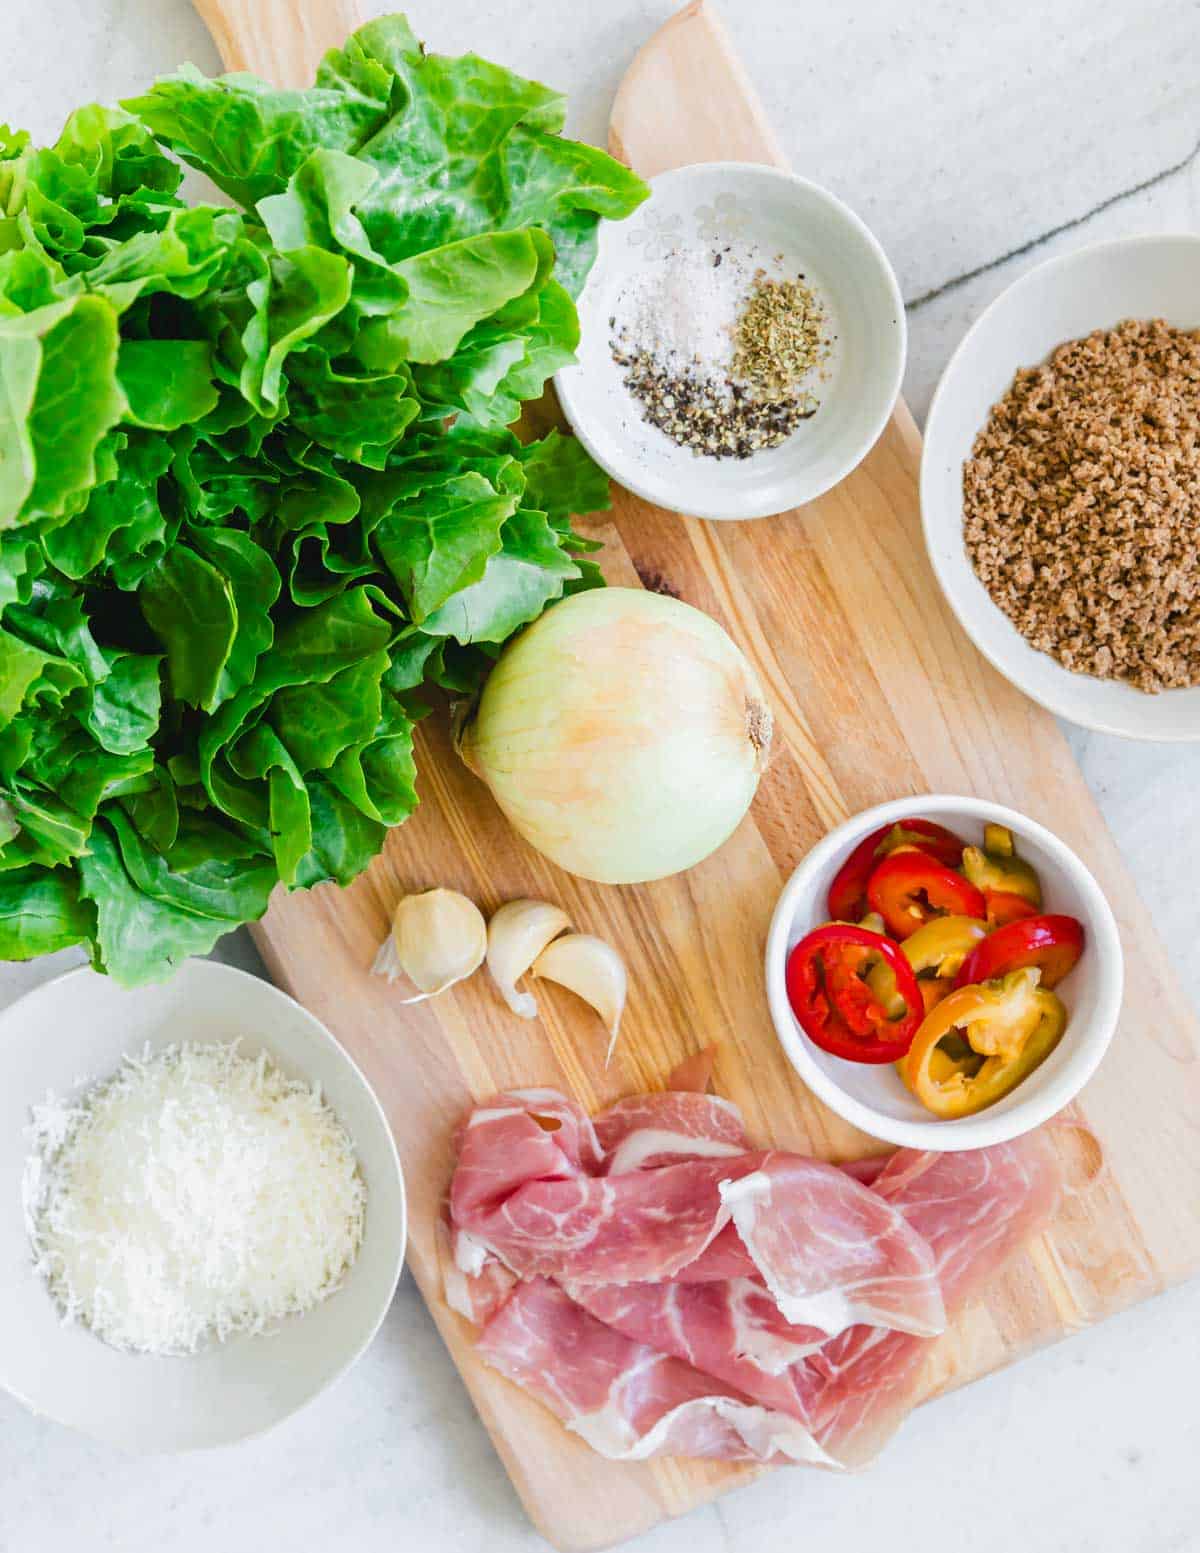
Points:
[[257, 483]]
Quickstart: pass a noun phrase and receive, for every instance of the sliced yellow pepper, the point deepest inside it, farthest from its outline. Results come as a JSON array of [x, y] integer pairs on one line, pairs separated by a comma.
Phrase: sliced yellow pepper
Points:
[[940, 946], [881, 978], [998, 840], [976, 1045], [1000, 873], [943, 943]]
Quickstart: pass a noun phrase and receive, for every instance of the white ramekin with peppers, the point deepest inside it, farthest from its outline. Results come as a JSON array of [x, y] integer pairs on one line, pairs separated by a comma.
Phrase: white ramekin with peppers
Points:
[[944, 972]]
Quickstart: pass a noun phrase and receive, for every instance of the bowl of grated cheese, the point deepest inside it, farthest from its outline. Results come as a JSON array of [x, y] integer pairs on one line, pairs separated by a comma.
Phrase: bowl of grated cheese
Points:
[[202, 1212]]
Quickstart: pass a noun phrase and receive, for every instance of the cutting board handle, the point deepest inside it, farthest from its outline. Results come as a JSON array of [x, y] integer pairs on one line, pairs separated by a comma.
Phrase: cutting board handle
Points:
[[686, 85], [280, 40]]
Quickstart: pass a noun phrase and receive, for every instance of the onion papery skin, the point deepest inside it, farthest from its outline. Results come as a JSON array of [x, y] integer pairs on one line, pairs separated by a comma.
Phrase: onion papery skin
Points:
[[623, 734]]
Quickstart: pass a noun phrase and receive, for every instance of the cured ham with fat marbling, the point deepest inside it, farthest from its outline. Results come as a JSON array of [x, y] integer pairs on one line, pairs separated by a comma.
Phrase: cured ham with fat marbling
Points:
[[976, 1208], [831, 1251], [667, 1289], [625, 1398]]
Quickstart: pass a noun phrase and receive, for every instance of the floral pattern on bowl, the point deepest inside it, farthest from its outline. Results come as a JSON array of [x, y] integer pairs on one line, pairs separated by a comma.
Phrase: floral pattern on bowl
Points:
[[726, 217], [658, 234]]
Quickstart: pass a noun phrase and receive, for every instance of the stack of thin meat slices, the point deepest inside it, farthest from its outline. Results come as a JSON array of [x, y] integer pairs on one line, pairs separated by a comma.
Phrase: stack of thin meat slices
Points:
[[665, 1288]]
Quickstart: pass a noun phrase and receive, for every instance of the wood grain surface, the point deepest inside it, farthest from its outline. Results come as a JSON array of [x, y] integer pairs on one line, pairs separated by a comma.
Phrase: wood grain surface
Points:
[[280, 40], [877, 694]]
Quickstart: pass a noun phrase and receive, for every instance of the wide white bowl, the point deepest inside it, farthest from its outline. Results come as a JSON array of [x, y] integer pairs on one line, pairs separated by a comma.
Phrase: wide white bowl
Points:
[[74, 1030], [1093, 288], [818, 236], [873, 1097]]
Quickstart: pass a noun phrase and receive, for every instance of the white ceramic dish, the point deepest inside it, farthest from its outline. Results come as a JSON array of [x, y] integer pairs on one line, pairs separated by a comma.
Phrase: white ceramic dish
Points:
[[872, 1097], [1094, 288], [816, 235], [74, 1030]]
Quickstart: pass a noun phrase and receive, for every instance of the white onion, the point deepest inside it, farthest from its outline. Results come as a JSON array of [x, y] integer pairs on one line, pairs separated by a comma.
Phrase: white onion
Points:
[[623, 734]]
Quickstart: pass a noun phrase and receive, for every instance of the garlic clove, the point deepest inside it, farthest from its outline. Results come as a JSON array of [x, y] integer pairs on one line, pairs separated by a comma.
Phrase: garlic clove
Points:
[[387, 960], [438, 937], [591, 969], [516, 936]]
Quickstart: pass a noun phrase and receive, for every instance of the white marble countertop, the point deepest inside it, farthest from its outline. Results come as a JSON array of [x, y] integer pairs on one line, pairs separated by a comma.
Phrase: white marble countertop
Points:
[[975, 139]]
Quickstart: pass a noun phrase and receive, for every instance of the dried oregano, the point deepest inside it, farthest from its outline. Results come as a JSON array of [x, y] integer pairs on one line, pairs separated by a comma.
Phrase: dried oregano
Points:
[[720, 357], [779, 338]]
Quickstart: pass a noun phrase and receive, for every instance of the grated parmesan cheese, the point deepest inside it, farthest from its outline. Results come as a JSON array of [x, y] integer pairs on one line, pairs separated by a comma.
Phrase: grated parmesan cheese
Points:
[[196, 1194]]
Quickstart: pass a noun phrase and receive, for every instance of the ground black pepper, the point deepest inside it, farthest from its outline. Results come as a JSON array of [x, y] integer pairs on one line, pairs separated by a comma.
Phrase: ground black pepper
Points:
[[719, 419], [721, 367]]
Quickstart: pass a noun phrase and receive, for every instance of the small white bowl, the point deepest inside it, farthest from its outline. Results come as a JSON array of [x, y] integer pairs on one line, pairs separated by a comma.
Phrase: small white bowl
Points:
[[74, 1030], [816, 235], [1094, 288], [873, 1097]]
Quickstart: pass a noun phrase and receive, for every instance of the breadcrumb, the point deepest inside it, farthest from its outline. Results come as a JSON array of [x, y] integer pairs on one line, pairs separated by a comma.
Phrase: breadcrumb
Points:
[[1082, 505]]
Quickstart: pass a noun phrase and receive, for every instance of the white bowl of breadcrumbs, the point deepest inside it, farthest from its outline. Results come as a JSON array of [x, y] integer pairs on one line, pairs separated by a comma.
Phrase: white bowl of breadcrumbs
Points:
[[1060, 486]]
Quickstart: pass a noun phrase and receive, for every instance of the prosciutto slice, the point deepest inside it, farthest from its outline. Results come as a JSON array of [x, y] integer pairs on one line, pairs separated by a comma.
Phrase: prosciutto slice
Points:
[[662, 1129], [475, 1283], [624, 1398], [831, 1251], [732, 1330], [665, 1288], [976, 1208]]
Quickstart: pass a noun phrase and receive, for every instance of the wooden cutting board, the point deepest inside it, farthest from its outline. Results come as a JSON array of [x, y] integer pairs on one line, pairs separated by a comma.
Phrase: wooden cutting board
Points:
[[877, 693]]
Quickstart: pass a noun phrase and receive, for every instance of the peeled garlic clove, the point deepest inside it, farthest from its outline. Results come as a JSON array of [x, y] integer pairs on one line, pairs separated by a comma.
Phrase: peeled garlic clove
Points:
[[437, 938], [591, 969], [516, 935]]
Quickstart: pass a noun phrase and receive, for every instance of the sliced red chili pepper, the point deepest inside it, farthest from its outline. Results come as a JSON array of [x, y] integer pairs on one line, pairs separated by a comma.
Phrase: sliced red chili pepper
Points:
[[1004, 906], [848, 892], [1052, 943], [836, 1008], [908, 888]]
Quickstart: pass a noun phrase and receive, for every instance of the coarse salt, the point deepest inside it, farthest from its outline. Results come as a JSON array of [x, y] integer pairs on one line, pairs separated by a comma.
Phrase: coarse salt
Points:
[[683, 306]]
